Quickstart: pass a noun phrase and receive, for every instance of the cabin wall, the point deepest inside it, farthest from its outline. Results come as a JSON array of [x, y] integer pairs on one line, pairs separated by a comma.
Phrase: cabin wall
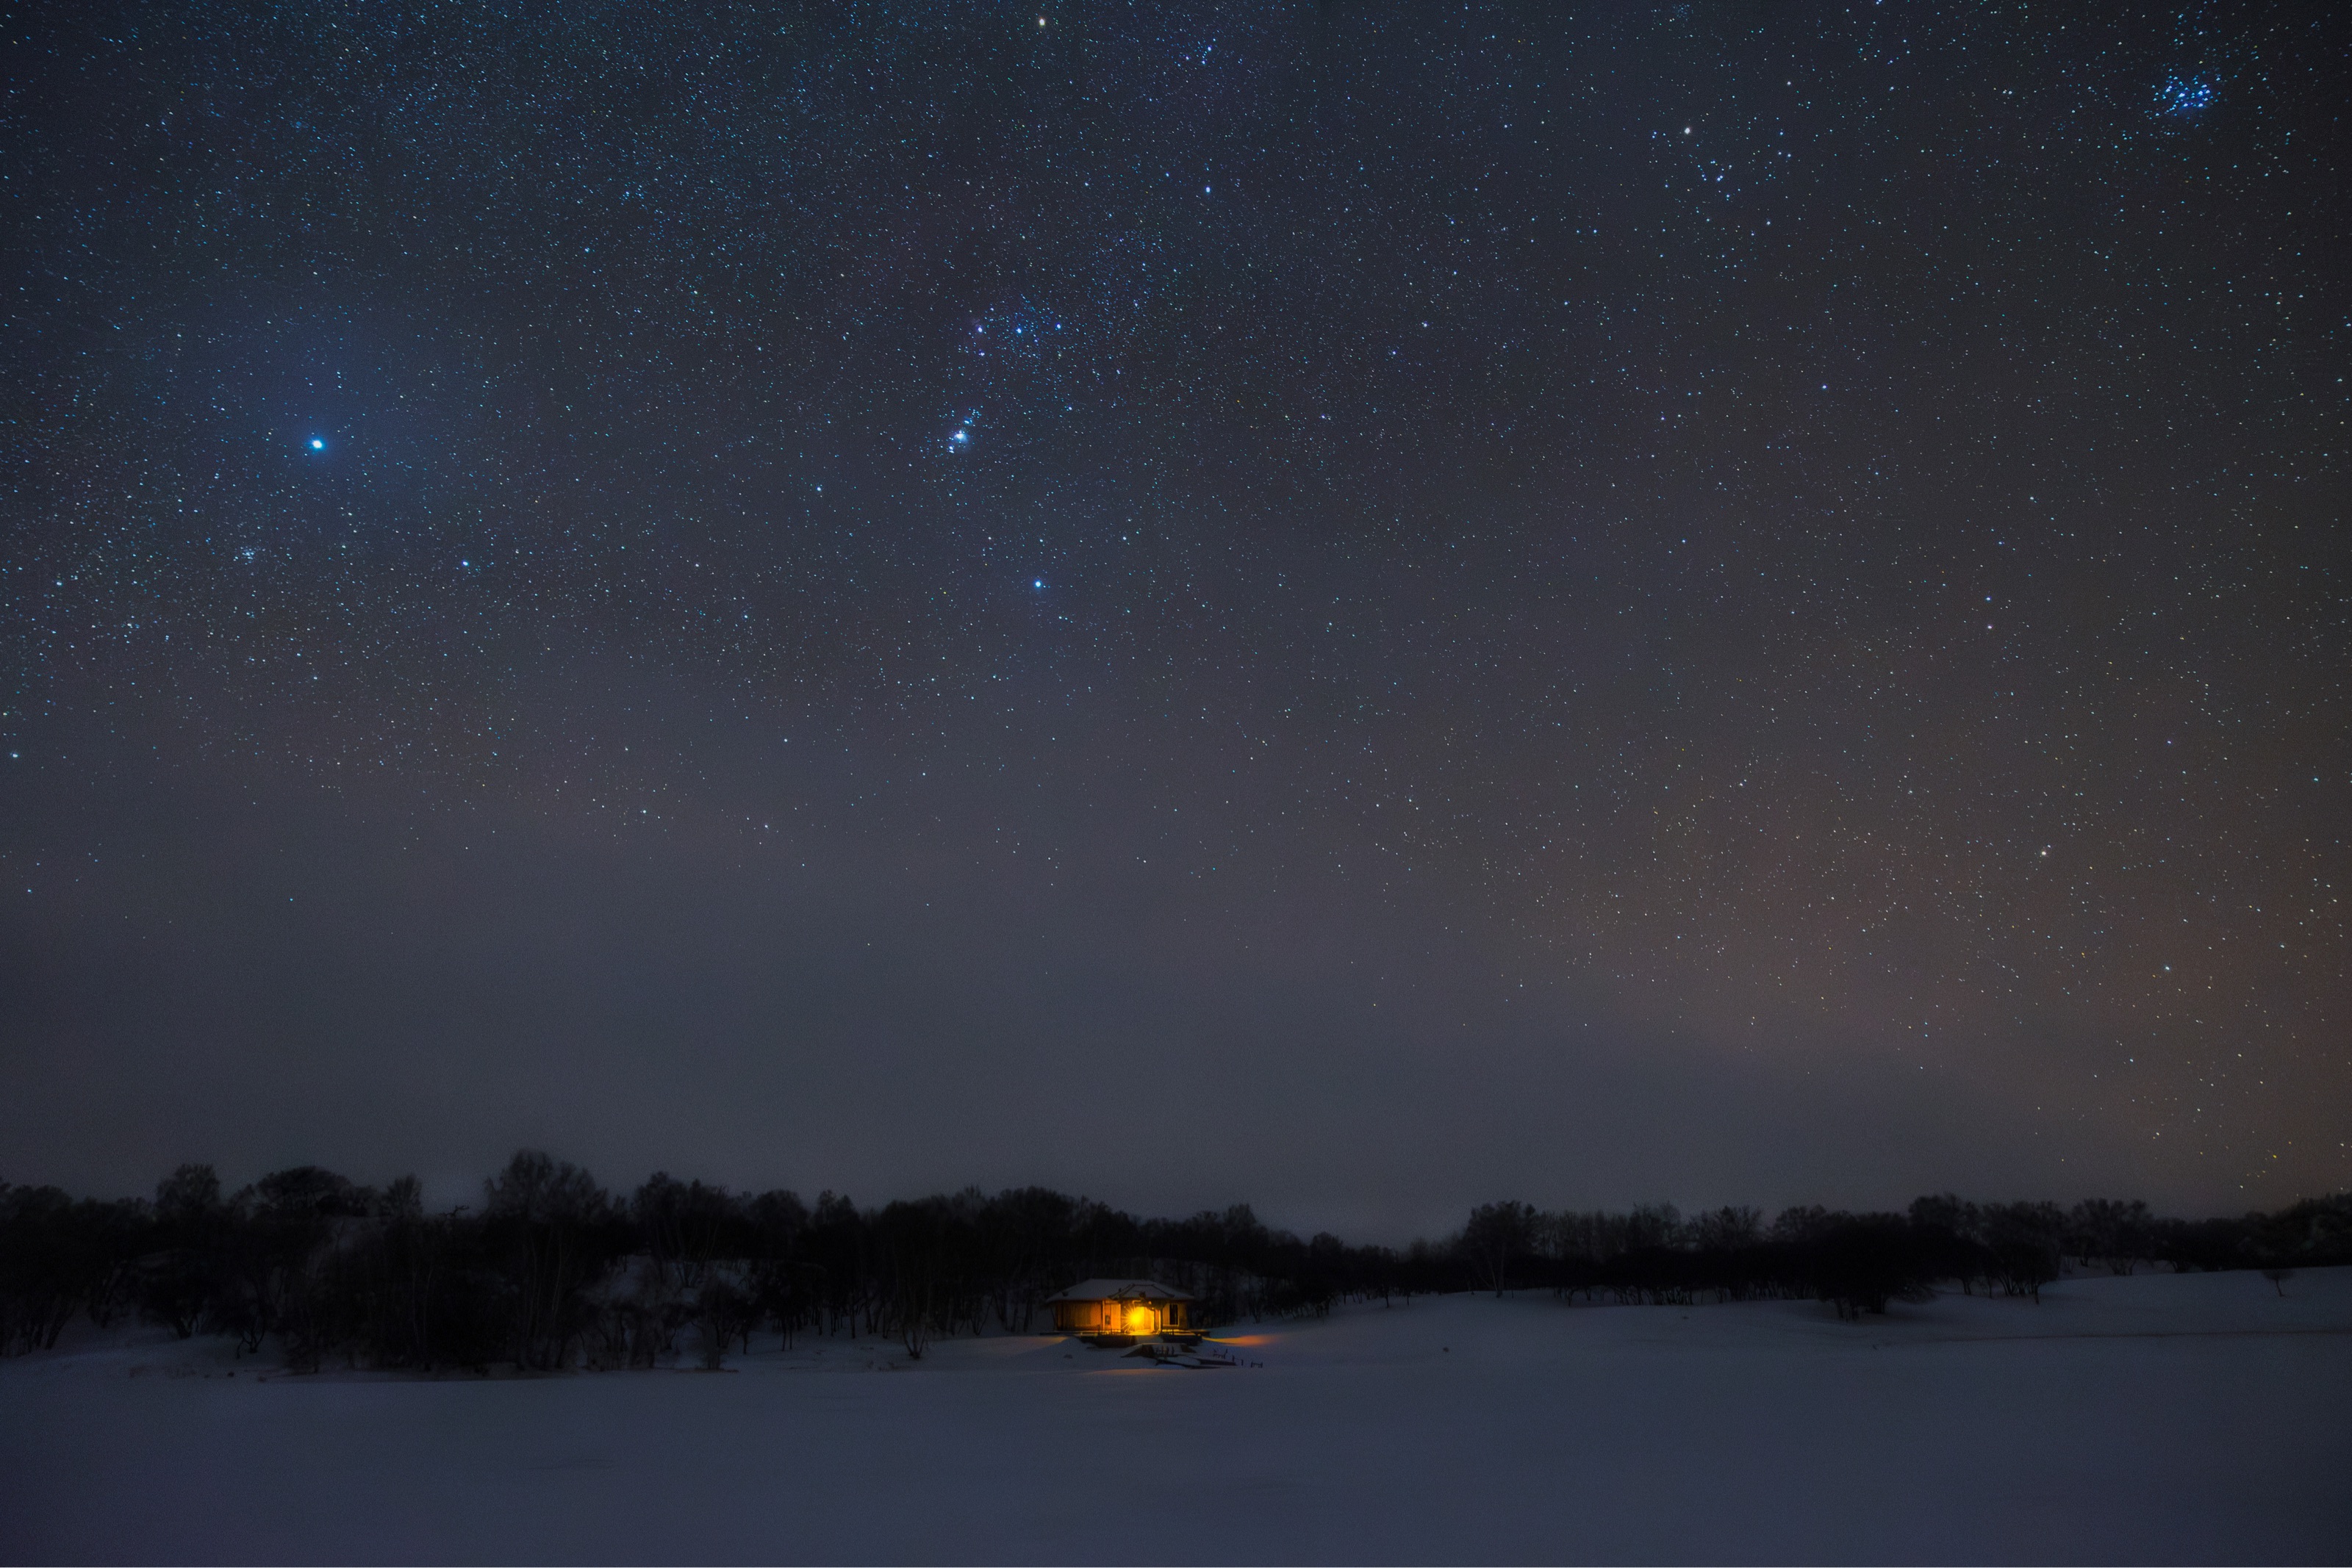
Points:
[[1111, 1317]]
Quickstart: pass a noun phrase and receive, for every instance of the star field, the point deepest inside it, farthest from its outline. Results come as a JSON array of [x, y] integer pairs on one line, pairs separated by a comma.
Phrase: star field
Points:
[[1763, 545]]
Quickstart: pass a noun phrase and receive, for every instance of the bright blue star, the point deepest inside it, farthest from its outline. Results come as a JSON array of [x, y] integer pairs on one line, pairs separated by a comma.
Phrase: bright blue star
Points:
[[1039, 583], [318, 444]]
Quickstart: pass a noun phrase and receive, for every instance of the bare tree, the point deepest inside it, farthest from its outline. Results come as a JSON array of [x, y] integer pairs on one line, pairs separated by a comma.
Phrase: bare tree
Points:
[[1497, 1237], [552, 1218], [723, 1314]]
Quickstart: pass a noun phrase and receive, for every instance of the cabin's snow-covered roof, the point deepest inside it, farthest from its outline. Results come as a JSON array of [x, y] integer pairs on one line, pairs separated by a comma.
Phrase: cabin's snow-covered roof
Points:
[[1121, 1290]]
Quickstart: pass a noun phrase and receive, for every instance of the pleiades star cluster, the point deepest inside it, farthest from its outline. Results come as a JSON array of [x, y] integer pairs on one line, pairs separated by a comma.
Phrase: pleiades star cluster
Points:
[[1555, 593]]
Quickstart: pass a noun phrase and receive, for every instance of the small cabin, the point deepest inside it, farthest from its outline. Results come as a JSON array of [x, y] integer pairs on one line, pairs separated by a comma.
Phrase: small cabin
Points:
[[1104, 1310]]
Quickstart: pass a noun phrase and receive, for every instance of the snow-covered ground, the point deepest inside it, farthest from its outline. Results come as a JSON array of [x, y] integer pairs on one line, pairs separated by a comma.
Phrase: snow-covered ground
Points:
[[2158, 1418]]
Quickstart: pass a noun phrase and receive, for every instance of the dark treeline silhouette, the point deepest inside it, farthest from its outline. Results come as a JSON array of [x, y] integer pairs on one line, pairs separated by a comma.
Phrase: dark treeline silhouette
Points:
[[551, 1271], [1859, 1262]]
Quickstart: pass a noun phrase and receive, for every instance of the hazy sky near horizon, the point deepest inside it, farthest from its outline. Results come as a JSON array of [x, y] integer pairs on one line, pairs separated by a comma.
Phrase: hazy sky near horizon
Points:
[[1356, 607]]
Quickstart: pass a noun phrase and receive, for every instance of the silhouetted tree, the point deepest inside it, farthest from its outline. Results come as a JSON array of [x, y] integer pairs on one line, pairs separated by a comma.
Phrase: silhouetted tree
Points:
[[2110, 1232], [1727, 1229], [782, 1285], [2024, 1240], [181, 1278], [723, 1314], [1497, 1237], [551, 1225], [58, 1257], [1861, 1263]]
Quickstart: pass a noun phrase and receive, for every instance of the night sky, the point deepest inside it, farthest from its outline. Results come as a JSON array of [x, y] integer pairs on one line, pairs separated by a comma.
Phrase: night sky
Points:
[[1361, 607]]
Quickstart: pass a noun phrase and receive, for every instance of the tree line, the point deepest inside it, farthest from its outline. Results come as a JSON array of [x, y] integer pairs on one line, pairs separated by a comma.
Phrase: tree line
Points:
[[551, 1271], [1859, 1262]]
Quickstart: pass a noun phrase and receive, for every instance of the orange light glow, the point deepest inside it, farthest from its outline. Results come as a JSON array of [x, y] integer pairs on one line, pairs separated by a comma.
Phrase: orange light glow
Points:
[[1139, 1318]]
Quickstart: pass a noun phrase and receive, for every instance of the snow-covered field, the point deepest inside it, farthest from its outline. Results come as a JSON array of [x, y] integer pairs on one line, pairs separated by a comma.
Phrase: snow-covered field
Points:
[[2159, 1418]]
